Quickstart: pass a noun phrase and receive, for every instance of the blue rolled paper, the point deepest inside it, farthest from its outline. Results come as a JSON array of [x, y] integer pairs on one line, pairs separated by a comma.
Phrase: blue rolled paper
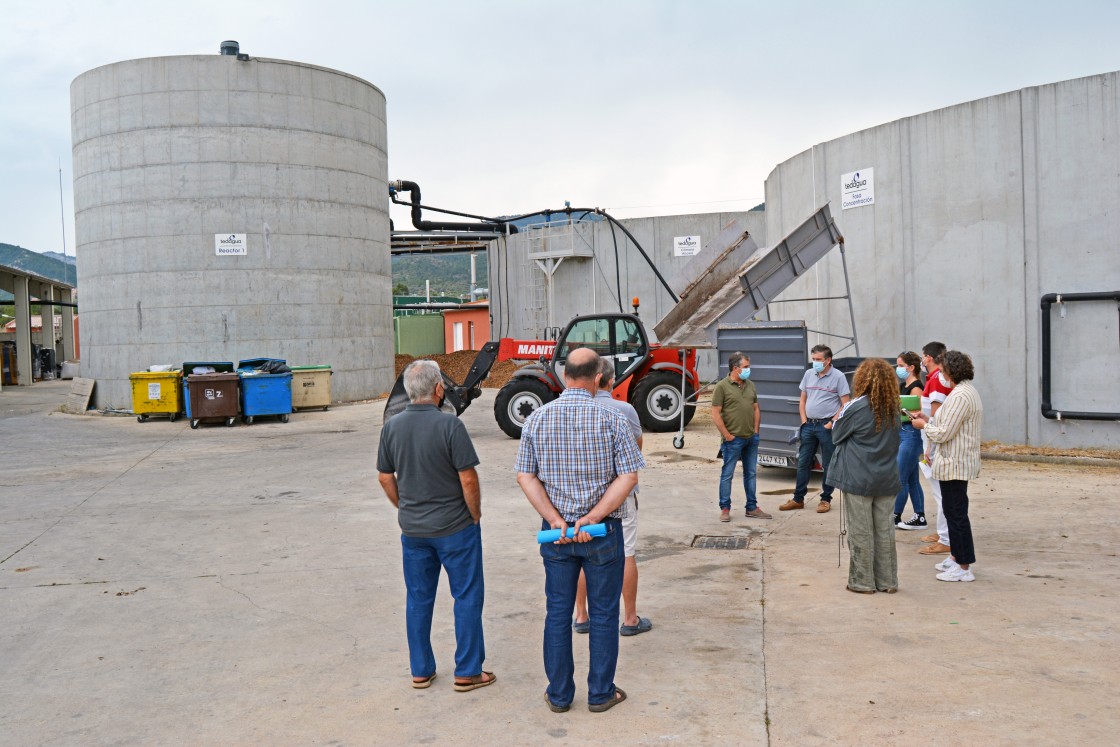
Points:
[[551, 535]]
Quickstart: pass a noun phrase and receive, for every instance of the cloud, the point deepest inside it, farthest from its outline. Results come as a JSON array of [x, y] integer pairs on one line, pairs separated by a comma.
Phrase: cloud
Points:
[[500, 107]]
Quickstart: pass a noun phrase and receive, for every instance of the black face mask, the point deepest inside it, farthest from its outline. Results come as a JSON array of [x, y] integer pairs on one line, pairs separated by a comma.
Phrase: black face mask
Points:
[[443, 397]]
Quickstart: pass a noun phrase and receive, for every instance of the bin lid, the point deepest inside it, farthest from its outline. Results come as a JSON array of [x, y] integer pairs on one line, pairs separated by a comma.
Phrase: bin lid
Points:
[[220, 376], [139, 375], [257, 362], [218, 366], [252, 373], [310, 368]]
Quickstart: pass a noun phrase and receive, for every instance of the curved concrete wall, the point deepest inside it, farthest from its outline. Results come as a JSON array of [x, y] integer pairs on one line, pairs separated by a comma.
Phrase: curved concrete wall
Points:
[[171, 152], [980, 209]]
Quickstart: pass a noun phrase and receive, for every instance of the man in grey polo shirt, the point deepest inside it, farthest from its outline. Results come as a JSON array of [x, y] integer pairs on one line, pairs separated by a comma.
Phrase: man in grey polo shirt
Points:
[[824, 391], [426, 467]]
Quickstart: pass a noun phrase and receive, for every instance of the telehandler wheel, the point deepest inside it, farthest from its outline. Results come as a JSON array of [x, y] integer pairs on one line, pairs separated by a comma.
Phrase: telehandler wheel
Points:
[[657, 398], [517, 400]]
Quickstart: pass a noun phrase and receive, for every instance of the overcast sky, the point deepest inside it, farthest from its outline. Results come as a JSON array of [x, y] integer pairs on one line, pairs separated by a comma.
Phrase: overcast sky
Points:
[[643, 108]]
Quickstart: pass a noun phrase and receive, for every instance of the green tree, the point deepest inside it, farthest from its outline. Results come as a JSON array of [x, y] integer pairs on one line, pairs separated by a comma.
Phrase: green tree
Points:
[[400, 289]]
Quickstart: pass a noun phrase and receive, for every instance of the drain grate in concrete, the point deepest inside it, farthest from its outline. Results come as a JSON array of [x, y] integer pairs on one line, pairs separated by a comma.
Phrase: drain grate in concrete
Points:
[[721, 543]]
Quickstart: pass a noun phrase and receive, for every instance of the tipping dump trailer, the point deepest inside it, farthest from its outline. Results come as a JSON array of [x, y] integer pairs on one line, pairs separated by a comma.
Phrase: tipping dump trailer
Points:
[[719, 306]]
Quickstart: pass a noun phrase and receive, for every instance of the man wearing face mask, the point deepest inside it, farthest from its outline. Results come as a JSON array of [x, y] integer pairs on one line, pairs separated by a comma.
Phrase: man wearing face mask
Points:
[[824, 391], [736, 416]]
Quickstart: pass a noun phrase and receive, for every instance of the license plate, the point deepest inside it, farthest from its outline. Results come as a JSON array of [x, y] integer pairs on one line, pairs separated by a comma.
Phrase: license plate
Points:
[[772, 461]]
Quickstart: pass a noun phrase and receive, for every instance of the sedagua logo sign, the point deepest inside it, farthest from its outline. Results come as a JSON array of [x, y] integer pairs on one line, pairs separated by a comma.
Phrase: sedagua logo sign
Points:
[[686, 246], [230, 245], [857, 188]]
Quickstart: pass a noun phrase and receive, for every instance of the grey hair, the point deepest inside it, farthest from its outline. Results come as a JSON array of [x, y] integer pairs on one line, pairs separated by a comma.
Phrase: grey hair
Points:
[[606, 370], [735, 359], [420, 379]]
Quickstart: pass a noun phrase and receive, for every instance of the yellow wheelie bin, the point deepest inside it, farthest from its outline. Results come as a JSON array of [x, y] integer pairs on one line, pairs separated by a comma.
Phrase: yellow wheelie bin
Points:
[[156, 392]]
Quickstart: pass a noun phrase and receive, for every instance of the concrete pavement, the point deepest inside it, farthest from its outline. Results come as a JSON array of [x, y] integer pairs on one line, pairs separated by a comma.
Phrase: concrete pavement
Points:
[[242, 586]]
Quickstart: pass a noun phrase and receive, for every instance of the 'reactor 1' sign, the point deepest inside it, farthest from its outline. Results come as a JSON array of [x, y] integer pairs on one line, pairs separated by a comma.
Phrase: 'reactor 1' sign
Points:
[[230, 245]]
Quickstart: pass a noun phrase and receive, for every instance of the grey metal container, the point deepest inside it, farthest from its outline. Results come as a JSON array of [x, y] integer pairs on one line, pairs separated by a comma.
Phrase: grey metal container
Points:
[[173, 155], [779, 357]]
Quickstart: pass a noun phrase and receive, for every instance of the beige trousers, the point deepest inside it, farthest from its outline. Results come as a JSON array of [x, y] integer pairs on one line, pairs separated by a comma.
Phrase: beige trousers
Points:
[[873, 563]]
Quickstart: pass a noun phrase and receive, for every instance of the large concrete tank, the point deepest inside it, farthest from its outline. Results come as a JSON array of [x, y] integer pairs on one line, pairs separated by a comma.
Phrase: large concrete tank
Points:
[[229, 208]]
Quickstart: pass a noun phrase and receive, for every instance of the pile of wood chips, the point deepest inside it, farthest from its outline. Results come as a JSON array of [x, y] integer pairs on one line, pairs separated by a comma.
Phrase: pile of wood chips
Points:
[[457, 365]]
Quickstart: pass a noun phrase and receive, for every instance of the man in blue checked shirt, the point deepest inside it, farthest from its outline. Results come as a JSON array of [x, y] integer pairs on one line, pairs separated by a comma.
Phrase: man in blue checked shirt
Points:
[[576, 464]]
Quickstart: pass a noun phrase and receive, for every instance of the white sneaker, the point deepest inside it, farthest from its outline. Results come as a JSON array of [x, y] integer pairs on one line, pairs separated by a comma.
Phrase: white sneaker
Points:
[[947, 564], [956, 574]]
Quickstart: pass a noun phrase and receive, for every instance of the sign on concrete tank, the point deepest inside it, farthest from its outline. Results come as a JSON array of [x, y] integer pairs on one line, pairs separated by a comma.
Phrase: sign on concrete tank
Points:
[[230, 244], [686, 246], [857, 188]]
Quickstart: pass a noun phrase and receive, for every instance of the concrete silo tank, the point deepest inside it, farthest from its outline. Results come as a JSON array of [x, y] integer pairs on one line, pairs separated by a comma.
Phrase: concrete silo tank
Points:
[[231, 207]]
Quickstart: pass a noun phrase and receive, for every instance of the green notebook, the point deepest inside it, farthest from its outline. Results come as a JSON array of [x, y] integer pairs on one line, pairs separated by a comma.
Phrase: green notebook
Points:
[[911, 402]]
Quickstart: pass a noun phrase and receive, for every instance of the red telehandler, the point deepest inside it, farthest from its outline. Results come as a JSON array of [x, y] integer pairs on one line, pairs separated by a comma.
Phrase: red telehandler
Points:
[[650, 377]]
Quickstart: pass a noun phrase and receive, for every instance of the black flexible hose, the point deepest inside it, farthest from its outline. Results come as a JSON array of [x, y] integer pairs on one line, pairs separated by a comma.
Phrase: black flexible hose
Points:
[[617, 276], [611, 218], [649, 261]]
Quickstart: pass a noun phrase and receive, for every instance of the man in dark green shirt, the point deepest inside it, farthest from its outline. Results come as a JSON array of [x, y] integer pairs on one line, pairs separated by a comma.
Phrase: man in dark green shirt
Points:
[[736, 416]]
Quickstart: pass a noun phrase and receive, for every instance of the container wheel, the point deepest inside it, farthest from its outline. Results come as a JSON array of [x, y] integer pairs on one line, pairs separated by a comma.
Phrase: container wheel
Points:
[[141, 418], [657, 398], [174, 416], [284, 418], [678, 442], [194, 424], [229, 422], [517, 400], [326, 407], [248, 420]]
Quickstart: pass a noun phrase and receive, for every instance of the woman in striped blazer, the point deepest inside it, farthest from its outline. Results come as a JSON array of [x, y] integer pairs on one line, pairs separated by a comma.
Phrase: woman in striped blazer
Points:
[[956, 430]]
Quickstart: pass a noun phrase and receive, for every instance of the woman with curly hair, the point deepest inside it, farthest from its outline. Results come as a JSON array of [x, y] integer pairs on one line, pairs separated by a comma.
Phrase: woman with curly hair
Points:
[[865, 466], [957, 460]]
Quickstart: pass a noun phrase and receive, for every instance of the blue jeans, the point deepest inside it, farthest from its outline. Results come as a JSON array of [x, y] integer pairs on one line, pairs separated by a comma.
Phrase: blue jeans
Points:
[[461, 555], [909, 452], [813, 435], [602, 561], [745, 449]]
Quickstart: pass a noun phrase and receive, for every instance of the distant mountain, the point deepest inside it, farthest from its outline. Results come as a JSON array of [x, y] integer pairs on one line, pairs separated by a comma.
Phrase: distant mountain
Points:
[[450, 273], [67, 258], [48, 264]]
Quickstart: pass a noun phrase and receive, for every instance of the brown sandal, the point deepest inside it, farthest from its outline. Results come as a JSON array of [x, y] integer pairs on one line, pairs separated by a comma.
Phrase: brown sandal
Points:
[[488, 678], [426, 682]]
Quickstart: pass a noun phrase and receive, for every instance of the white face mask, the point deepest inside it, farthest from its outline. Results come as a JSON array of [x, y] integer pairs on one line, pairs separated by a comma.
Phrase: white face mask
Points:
[[944, 382]]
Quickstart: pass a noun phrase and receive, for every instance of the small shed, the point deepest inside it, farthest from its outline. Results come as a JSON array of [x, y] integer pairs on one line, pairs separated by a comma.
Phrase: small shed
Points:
[[466, 328]]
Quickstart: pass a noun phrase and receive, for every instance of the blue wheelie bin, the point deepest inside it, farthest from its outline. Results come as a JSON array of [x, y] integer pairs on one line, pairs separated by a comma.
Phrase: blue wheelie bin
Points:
[[265, 394]]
